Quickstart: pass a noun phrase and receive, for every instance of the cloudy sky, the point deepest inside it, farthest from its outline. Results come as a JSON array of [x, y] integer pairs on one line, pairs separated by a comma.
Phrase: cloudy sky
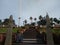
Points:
[[27, 8]]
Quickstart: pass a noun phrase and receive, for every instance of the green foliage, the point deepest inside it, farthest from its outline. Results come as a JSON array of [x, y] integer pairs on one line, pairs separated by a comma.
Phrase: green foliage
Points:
[[56, 31], [3, 30], [40, 17], [6, 21], [14, 30], [56, 20]]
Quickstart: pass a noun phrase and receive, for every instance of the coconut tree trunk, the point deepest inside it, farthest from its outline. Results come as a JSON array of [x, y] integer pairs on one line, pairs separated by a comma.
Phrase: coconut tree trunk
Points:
[[8, 40], [48, 32]]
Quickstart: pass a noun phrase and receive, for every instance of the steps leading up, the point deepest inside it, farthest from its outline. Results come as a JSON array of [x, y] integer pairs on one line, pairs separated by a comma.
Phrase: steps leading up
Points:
[[30, 34], [29, 41]]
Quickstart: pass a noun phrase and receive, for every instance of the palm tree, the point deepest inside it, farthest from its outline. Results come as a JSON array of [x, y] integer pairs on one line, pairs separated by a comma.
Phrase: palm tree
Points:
[[35, 21], [31, 19], [0, 21], [25, 21], [56, 20], [19, 21], [40, 17], [51, 19]]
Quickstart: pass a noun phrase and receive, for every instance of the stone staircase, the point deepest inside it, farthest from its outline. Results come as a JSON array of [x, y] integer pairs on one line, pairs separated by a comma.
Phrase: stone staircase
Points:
[[28, 42], [30, 38], [30, 34]]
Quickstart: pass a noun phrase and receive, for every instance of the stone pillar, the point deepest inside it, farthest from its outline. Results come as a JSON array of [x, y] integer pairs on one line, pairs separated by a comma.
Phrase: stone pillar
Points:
[[48, 32], [8, 40]]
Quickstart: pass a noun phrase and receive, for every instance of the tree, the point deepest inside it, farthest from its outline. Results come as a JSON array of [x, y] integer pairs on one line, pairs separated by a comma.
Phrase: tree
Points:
[[31, 19], [33, 24], [19, 21], [40, 17], [39, 23], [51, 21], [25, 21], [6, 21], [35, 19], [43, 22], [0, 21], [56, 20]]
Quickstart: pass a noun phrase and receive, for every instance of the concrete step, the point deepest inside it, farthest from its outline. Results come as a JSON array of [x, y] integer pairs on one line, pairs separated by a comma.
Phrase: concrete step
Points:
[[29, 41]]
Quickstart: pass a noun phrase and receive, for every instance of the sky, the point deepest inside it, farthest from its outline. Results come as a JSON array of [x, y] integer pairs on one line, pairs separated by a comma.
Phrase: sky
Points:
[[27, 8]]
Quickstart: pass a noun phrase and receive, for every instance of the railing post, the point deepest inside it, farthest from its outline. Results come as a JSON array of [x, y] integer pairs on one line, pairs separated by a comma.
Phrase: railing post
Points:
[[8, 40], [48, 32]]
